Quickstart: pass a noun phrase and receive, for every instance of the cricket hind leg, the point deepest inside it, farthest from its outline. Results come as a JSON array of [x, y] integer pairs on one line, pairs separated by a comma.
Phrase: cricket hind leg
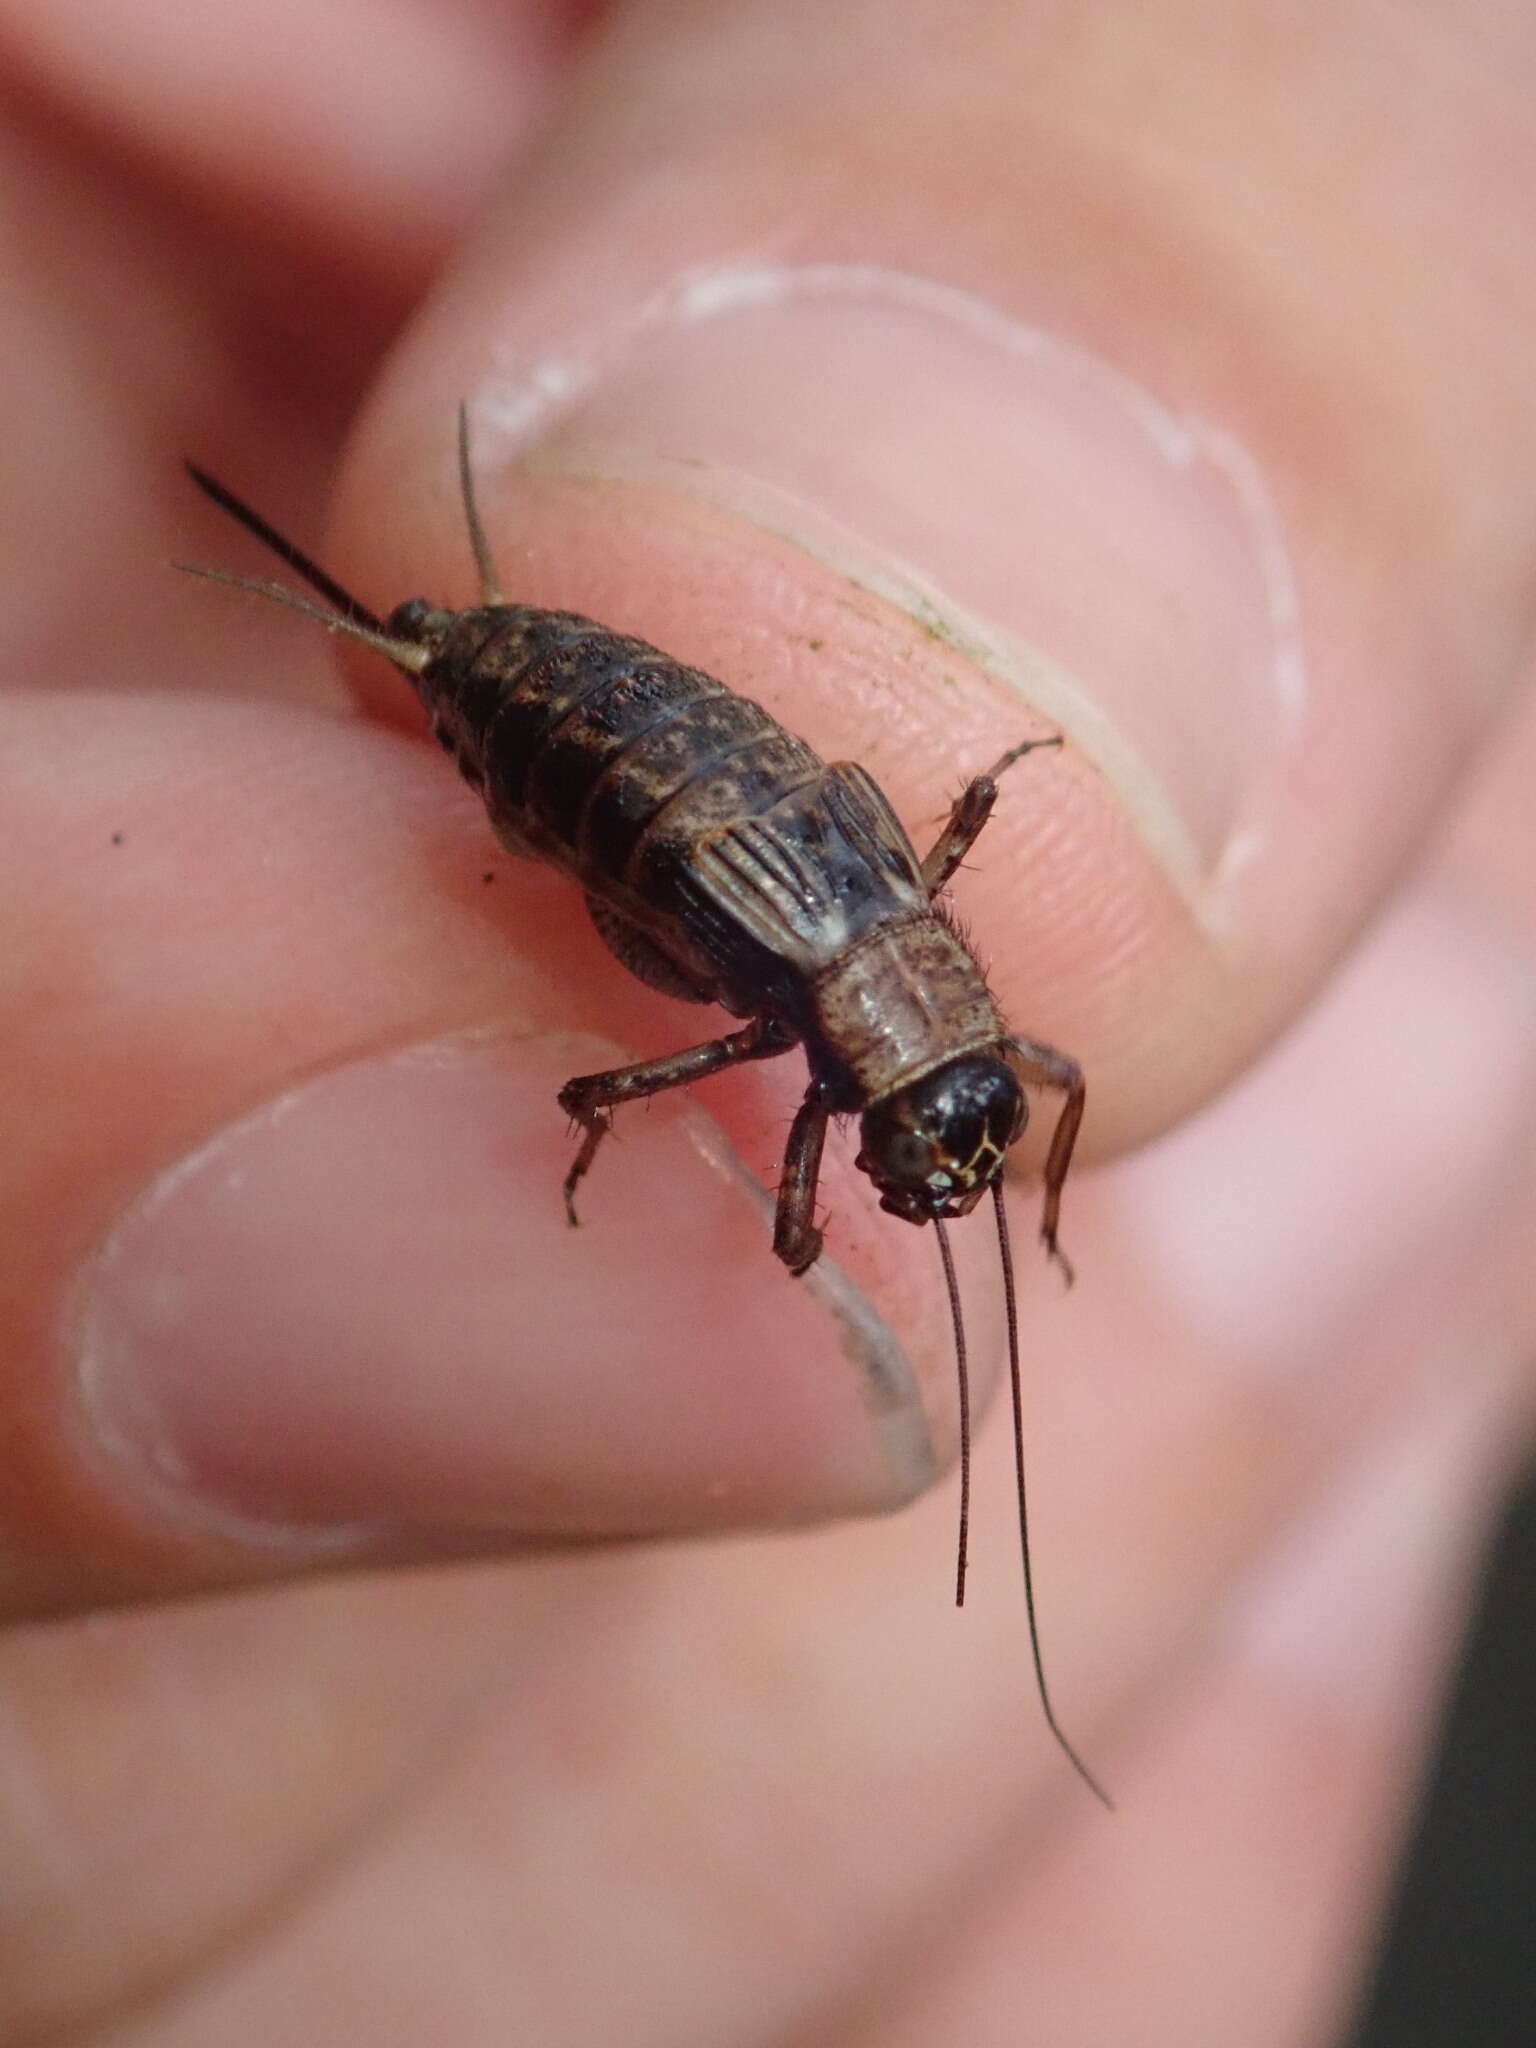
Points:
[[972, 809], [589, 1097], [1043, 1067]]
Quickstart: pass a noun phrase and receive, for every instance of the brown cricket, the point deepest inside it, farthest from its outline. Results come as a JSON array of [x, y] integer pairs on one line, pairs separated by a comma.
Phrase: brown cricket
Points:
[[724, 862]]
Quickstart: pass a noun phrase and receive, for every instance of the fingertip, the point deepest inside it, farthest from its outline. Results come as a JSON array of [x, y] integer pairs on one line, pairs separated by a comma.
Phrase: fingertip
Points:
[[362, 1311]]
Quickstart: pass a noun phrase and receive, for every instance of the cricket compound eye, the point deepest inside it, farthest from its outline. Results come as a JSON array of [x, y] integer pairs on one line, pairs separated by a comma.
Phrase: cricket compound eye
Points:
[[417, 620], [934, 1148], [909, 1157]]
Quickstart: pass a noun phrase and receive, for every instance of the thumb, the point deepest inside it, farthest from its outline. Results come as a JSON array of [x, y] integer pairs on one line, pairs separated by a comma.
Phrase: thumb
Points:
[[916, 373]]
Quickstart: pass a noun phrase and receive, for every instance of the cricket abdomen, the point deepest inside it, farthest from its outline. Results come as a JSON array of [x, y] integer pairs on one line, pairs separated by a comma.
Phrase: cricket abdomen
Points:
[[685, 807], [579, 738]]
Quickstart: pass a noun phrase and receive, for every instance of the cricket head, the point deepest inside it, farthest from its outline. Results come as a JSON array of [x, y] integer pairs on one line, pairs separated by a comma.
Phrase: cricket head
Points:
[[934, 1147], [419, 623]]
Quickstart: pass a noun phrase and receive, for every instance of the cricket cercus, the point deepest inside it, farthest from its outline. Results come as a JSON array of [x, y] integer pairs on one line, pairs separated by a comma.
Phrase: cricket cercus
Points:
[[724, 862]]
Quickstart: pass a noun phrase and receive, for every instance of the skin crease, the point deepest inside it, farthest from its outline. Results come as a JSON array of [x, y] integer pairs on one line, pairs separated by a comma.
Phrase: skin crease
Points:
[[765, 1791]]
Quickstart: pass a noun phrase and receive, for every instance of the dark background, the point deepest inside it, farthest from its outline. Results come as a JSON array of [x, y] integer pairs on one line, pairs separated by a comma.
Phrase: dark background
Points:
[[1458, 1960]]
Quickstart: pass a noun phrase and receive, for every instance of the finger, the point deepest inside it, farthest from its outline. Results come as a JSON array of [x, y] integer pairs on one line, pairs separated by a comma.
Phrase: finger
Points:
[[1173, 1443], [897, 1706], [289, 1281], [329, 122], [998, 423], [252, 1740], [215, 221], [1266, 1799], [894, 1843]]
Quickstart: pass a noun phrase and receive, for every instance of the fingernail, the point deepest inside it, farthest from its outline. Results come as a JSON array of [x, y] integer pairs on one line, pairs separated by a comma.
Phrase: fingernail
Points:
[[1362, 1602], [1361, 1159], [1115, 565], [362, 1309]]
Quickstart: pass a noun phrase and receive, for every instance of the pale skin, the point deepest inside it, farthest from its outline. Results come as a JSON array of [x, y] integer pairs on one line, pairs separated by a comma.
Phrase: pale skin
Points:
[[756, 1791]]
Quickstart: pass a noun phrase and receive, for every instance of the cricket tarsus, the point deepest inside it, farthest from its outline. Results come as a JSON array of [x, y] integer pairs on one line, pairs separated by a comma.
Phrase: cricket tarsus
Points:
[[724, 862], [963, 1382], [1016, 1389]]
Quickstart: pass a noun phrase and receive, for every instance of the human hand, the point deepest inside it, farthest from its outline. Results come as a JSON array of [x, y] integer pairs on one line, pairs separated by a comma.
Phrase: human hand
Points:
[[860, 355]]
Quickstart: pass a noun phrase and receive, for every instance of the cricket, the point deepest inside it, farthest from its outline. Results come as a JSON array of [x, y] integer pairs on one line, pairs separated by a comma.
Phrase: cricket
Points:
[[723, 862]]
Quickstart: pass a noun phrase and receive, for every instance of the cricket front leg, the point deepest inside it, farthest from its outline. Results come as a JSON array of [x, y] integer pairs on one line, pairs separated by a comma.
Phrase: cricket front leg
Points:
[[589, 1097], [1044, 1067], [796, 1240], [972, 809]]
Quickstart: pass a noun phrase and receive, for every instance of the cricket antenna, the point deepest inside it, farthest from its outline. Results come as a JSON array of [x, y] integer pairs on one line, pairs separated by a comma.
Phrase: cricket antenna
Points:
[[962, 1374], [1016, 1385], [348, 615], [490, 593], [342, 601]]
